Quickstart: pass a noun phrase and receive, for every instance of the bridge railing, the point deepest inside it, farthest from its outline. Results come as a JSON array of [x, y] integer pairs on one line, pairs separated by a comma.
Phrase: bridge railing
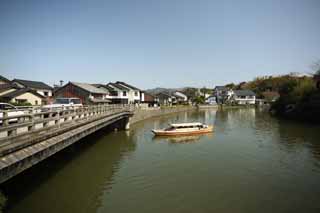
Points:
[[16, 123]]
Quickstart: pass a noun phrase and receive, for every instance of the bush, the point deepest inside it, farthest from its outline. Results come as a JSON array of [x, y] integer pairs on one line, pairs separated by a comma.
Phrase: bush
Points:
[[21, 104]]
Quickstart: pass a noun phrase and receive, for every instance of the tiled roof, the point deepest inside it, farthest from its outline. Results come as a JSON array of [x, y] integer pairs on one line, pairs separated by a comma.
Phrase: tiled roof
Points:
[[4, 79], [90, 88], [118, 86], [33, 84], [244, 93], [127, 85], [221, 88], [21, 91]]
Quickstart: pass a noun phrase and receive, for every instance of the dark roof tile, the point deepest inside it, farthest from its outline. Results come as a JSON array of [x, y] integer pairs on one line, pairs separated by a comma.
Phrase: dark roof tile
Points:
[[33, 84]]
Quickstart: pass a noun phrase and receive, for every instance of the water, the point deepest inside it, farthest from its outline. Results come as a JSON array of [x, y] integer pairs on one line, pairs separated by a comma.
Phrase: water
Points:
[[251, 163]]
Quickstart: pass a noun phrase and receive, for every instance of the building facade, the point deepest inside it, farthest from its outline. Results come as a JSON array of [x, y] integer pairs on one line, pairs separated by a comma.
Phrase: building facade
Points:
[[87, 93]]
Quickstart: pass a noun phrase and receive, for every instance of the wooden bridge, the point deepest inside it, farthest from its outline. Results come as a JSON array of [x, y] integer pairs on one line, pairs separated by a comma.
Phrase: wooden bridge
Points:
[[32, 136]]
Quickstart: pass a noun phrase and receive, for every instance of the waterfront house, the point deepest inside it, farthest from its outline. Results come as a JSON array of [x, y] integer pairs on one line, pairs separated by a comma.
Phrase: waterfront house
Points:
[[180, 97], [149, 99], [23, 96], [222, 94], [134, 94], [118, 94], [38, 86], [87, 93], [165, 99], [243, 97]]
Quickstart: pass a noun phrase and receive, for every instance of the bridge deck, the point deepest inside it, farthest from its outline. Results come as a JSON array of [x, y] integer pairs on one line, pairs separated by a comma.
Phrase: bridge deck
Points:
[[27, 147]]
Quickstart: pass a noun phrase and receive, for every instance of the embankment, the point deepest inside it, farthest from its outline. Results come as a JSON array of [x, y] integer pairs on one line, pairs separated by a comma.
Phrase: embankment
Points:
[[142, 114]]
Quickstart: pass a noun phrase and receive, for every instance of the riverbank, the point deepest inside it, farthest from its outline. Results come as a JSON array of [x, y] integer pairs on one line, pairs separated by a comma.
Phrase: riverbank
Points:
[[142, 114]]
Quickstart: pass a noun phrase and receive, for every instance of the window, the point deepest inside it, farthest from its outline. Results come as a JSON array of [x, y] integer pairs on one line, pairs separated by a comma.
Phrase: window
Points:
[[136, 93], [124, 93], [45, 93], [36, 102]]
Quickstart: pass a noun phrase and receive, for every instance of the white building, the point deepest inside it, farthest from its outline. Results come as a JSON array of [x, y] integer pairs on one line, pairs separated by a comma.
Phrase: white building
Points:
[[134, 94], [243, 97], [117, 93]]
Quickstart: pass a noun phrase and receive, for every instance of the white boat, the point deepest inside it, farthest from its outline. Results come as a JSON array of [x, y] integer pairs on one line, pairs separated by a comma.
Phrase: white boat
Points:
[[184, 129]]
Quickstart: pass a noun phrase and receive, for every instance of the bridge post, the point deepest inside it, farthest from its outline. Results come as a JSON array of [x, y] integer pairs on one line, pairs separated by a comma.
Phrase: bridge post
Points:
[[127, 126]]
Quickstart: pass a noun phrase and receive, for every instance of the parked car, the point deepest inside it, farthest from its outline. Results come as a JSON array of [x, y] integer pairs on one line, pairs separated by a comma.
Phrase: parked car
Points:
[[64, 102], [12, 111]]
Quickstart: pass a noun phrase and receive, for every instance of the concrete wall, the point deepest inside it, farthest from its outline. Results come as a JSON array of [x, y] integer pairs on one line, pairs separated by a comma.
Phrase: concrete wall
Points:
[[142, 114]]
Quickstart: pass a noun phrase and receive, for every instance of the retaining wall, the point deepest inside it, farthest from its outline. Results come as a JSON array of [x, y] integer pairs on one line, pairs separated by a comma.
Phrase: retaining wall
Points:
[[142, 114]]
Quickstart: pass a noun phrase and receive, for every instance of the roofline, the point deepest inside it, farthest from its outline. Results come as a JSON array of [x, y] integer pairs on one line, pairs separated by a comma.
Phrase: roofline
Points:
[[118, 86], [21, 91], [19, 81], [127, 85], [4, 79]]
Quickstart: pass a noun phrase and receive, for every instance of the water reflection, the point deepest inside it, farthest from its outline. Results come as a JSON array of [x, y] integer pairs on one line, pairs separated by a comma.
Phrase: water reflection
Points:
[[249, 164], [74, 180]]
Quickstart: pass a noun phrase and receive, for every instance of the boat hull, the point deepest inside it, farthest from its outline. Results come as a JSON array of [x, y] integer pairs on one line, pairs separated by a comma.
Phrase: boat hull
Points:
[[182, 132]]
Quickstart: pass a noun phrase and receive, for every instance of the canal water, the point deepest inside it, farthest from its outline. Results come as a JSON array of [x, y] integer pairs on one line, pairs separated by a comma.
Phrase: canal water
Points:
[[251, 163]]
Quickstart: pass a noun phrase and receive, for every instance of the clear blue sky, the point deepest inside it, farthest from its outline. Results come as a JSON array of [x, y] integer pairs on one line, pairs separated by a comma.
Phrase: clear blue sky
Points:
[[150, 43]]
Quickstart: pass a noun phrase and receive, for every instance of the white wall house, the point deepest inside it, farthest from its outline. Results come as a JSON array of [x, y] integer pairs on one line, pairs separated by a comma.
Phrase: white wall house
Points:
[[243, 97], [182, 97], [134, 94], [117, 93]]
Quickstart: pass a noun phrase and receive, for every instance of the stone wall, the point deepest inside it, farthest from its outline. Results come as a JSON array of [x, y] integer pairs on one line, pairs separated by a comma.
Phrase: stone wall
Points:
[[142, 114]]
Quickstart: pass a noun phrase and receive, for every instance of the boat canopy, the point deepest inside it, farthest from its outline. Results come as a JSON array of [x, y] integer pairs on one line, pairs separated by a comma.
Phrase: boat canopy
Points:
[[186, 124]]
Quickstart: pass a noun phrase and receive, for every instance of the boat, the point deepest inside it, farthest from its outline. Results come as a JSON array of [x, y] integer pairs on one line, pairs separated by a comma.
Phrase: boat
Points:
[[184, 129]]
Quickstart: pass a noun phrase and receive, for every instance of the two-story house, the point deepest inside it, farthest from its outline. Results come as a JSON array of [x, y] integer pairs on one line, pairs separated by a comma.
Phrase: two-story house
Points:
[[243, 97], [222, 94], [118, 94], [135, 95], [87, 93]]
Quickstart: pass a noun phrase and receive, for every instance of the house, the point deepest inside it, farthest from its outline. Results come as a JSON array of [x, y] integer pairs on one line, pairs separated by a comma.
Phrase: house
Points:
[[38, 86], [180, 97], [165, 99], [222, 94], [243, 97], [211, 100], [4, 80], [87, 93], [134, 94], [118, 94], [23, 96], [149, 99]]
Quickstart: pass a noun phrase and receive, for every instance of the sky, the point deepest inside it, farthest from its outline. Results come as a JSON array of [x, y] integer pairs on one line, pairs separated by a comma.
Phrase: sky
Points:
[[157, 43]]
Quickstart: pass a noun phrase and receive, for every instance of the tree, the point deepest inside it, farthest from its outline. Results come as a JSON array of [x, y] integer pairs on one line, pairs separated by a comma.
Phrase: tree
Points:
[[316, 67]]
